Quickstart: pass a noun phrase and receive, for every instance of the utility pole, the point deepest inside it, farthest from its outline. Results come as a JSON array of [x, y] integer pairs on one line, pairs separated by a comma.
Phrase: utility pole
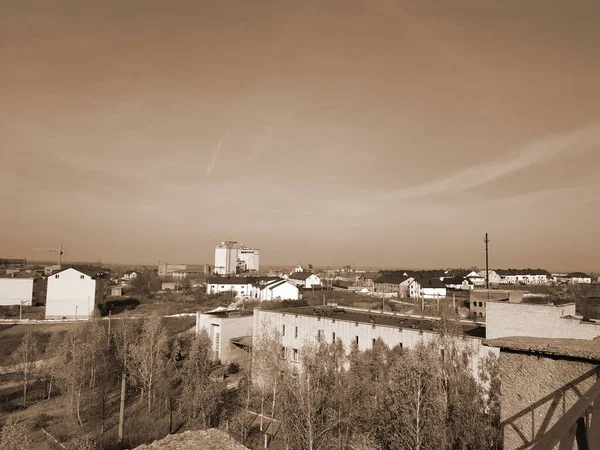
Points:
[[487, 268], [109, 317], [122, 407]]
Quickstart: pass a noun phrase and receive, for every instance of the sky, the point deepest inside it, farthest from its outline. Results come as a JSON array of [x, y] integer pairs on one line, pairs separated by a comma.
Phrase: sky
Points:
[[384, 133]]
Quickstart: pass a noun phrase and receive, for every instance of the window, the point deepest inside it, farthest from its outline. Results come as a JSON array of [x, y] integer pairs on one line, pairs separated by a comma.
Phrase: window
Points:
[[333, 337], [283, 330], [217, 339], [356, 339], [296, 332], [55, 276], [400, 345], [295, 355], [82, 276], [480, 304], [320, 335], [373, 342]]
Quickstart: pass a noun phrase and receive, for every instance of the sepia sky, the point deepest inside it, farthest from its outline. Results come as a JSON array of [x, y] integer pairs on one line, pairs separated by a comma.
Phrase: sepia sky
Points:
[[389, 133]]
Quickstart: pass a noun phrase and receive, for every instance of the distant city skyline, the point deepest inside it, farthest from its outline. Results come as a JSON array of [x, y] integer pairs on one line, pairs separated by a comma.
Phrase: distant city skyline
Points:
[[393, 134]]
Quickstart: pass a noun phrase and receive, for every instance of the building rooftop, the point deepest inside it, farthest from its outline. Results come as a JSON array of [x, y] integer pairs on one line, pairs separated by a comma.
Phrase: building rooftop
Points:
[[376, 318], [211, 439], [230, 313], [574, 348]]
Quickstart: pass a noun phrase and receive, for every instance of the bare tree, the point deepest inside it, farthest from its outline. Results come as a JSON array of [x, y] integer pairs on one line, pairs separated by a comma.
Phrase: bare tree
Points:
[[201, 396], [148, 356], [25, 357]]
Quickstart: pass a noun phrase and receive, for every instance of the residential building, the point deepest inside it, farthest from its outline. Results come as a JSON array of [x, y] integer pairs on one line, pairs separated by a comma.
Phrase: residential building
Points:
[[130, 275], [75, 292], [506, 318], [427, 288], [21, 288], [226, 258], [494, 278], [305, 279], [274, 289], [240, 287], [459, 284], [168, 286], [578, 278], [222, 327], [353, 326], [524, 276], [393, 284], [367, 280]]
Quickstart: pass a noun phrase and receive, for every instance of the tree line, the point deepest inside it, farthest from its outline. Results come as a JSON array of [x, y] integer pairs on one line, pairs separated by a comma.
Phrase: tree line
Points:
[[421, 398]]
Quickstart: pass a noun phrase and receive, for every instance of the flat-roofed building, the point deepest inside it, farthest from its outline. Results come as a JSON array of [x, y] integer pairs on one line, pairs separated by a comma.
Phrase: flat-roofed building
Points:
[[222, 327], [300, 326], [505, 318]]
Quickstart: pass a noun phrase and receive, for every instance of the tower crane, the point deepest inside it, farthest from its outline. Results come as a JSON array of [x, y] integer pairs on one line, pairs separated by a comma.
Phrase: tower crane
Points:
[[61, 250]]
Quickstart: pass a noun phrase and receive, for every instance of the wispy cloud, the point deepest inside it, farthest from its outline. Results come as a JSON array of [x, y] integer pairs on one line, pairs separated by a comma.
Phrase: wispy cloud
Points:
[[216, 152], [534, 153]]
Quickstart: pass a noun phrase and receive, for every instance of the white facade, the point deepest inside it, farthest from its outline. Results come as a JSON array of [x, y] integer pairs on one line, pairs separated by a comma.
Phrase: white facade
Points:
[[239, 289], [504, 319], [299, 329], [494, 278], [276, 290], [226, 257], [221, 328], [72, 294], [16, 291], [250, 258], [305, 280]]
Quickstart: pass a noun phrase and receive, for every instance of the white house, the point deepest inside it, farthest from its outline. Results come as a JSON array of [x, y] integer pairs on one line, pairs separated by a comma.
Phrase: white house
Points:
[[427, 288], [74, 292], [277, 289], [578, 278], [476, 278], [129, 275], [19, 288], [240, 287], [459, 284], [493, 276], [305, 280], [222, 327]]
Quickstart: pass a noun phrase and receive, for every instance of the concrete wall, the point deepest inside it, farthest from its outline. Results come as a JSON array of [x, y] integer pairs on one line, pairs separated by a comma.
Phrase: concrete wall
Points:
[[69, 295], [536, 392], [226, 328], [505, 319], [309, 327], [13, 291]]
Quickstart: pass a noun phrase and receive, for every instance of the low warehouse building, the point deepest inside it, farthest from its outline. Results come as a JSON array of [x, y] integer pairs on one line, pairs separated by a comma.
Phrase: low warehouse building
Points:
[[222, 327]]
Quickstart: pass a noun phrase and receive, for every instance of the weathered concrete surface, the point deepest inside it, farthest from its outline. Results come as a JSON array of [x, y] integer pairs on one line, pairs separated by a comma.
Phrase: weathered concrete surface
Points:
[[536, 391], [575, 348], [212, 439]]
